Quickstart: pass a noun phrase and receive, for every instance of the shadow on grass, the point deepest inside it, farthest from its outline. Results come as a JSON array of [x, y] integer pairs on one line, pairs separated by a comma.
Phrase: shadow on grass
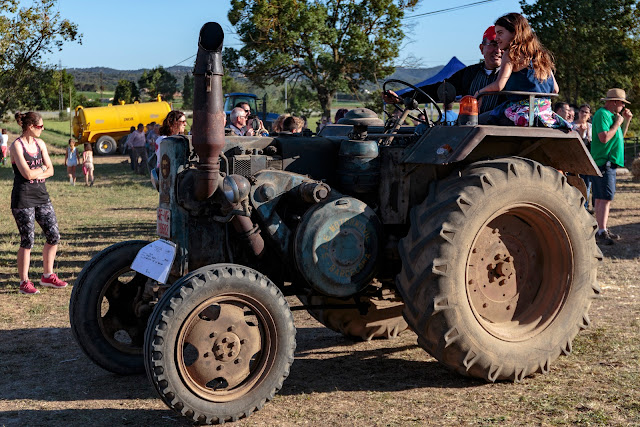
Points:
[[378, 370], [338, 363], [88, 417]]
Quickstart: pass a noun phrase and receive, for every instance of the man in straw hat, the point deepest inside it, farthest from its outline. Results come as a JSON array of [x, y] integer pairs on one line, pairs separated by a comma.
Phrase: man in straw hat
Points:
[[609, 124]]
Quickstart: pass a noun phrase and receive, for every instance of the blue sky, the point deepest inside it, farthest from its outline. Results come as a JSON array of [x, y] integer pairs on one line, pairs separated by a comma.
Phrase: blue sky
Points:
[[128, 35]]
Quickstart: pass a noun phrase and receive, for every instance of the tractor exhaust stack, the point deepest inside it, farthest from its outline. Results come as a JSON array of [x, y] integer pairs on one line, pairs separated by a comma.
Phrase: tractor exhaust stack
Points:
[[208, 110]]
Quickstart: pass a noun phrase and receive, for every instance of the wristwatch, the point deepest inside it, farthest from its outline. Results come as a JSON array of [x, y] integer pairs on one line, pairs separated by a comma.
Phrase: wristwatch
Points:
[[44, 168]]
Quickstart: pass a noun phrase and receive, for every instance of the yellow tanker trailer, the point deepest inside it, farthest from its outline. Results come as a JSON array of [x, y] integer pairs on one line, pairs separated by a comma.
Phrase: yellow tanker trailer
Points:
[[103, 126]]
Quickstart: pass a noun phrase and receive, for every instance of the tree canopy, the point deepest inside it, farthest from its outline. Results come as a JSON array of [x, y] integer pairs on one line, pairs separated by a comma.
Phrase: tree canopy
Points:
[[126, 91], [158, 81], [594, 42], [187, 92], [44, 91], [26, 35], [330, 45]]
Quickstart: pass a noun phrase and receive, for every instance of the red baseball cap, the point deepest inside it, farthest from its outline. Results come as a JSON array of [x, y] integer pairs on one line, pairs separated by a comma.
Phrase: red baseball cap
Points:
[[489, 34]]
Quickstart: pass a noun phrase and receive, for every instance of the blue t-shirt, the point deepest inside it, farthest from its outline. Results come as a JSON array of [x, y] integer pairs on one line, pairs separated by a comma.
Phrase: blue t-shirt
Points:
[[526, 81], [449, 118]]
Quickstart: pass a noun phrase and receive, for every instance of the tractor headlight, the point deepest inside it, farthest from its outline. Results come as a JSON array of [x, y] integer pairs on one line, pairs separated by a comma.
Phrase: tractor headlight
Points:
[[236, 188]]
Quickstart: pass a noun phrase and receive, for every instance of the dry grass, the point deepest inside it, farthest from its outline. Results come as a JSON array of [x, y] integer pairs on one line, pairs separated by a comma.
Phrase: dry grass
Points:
[[47, 380]]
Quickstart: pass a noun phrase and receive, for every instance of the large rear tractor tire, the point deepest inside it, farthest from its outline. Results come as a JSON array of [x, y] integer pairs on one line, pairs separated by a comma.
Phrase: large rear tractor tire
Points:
[[219, 343], [102, 310], [383, 318], [499, 269]]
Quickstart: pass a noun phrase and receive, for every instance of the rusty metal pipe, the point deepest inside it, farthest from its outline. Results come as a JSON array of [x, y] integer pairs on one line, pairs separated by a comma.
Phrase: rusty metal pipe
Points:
[[208, 110], [250, 233]]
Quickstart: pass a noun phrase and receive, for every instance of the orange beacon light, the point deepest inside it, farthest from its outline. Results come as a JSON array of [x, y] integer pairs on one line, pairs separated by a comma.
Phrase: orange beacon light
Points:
[[468, 115]]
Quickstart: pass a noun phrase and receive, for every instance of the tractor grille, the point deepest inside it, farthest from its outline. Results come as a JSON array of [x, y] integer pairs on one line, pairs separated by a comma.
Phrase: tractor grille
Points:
[[248, 165], [242, 166]]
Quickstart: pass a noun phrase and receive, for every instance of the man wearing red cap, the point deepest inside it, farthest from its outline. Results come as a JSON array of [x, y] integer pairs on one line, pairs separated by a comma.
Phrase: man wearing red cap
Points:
[[474, 77]]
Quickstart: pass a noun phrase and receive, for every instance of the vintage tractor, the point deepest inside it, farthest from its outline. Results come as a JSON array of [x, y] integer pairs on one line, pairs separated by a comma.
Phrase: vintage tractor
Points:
[[469, 233]]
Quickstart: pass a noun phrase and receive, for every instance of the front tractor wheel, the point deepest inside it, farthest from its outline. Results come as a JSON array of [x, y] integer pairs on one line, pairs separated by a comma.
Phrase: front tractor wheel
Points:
[[499, 269], [107, 314], [219, 343]]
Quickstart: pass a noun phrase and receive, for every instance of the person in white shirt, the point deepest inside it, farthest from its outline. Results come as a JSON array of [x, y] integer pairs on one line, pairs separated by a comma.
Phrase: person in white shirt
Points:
[[4, 145]]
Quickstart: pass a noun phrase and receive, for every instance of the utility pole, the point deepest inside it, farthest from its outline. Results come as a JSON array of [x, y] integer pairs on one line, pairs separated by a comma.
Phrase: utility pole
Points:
[[69, 109], [60, 101], [101, 87], [285, 95]]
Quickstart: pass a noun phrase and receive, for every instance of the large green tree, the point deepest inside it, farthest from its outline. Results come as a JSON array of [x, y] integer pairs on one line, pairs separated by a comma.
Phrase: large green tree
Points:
[[301, 101], [55, 85], [594, 42], [158, 81], [187, 92], [45, 90], [27, 34], [331, 45], [126, 91]]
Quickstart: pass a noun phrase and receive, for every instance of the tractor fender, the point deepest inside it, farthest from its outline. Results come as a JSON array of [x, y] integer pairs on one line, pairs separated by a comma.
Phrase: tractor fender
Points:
[[442, 145]]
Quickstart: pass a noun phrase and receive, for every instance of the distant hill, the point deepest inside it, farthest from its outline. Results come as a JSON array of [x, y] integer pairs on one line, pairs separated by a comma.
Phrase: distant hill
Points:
[[89, 79], [415, 75]]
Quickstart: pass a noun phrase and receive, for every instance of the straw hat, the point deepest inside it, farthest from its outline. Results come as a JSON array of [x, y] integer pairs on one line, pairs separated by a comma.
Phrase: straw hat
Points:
[[616, 95]]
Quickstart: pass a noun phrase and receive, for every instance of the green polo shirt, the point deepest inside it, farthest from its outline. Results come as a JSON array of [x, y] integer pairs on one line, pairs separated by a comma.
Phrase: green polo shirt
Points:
[[614, 149]]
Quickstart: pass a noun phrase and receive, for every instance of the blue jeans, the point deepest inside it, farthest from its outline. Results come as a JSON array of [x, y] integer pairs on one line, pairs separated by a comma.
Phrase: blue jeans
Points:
[[604, 188], [587, 182]]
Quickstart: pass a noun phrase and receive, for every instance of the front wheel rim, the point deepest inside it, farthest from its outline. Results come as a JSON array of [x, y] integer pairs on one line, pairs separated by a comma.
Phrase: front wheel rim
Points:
[[519, 272], [121, 325], [226, 346]]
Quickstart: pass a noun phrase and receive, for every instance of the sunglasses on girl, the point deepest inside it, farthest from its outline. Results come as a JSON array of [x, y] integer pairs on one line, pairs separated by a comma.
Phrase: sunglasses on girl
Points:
[[38, 126]]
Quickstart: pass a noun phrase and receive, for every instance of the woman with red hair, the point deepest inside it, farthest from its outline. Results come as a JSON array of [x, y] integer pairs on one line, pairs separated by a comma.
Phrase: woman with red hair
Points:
[[526, 66]]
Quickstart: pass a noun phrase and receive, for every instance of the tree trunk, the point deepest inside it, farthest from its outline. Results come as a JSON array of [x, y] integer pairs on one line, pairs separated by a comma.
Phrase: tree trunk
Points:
[[325, 98]]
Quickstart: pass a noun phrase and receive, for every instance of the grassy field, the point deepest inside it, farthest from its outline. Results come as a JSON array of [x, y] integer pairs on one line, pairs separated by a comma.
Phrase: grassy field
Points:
[[96, 95], [47, 380]]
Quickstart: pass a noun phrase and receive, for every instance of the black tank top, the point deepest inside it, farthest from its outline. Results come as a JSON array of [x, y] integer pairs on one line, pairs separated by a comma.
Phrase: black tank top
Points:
[[28, 193]]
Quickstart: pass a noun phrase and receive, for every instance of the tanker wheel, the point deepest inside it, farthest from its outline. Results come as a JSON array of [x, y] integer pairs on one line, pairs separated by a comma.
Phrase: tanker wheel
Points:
[[102, 309], [106, 145], [499, 269], [219, 343], [383, 318]]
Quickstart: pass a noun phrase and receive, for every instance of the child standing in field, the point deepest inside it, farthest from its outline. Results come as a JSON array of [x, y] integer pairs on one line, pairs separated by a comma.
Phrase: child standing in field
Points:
[[71, 161], [4, 145], [87, 164]]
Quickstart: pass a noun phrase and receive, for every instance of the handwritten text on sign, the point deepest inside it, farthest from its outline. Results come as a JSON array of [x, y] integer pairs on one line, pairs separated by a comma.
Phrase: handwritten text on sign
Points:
[[155, 260]]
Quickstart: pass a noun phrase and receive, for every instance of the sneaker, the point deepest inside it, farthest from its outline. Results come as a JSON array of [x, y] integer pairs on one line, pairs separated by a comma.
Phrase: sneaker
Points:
[[28, 288], [604, 239], [613, 235], [53, 282]]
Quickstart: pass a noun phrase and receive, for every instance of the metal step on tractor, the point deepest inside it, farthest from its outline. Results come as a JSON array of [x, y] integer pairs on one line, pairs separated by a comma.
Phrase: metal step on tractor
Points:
[[469, 235]]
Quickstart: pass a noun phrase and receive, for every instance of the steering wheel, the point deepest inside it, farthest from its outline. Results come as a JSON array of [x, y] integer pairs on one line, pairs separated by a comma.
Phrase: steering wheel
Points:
[[412, 103]]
